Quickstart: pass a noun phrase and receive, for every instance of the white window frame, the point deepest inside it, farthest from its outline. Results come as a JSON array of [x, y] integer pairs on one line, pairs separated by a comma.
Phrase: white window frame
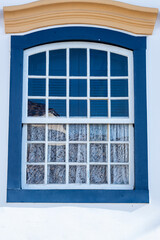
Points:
[[79, 120]]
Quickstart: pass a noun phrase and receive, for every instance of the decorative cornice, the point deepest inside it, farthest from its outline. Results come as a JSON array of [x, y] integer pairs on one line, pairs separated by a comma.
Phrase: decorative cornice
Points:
[[108, 13]]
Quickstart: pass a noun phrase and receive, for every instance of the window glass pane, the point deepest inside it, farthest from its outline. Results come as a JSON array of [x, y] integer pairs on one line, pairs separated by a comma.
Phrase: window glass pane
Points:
[[99, 108], [35, 174], [36, 107], [57, 132], [57, 108], [78, 108], [56, 174], [98, 174], [36, 87], [78, 88], [119, 108], [35, 152], [78, 152], [57, 62], [37, 64], [119, 153], [119, 132], [98, 132], [98, 63], [119, 88], [35, 132], [77, 174], [98, 152], [119, 65], [77, 132], [57, 87], [78, 62], [119, 174], [98, 88], [56, 153]]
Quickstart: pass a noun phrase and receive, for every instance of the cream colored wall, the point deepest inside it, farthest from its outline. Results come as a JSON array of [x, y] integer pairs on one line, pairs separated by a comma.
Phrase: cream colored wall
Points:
[[84, 221]]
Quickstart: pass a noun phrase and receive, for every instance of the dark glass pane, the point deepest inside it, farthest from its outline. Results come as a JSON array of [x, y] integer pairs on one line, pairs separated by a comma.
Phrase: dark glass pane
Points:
[[78, 88], [36, 107], [77, 174], [78, 108], [119, 88], [119, 65], [36, 87], [35, 174], [57, 62], [57, 87], [56, 174], [37, 64], [78, 62], [98, 88], [99, 108], [57, 108], [98, 63], [119, 108], [98, 174]]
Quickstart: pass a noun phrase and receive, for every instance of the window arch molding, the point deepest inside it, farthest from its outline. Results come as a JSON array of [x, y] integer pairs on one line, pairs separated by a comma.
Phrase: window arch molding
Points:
[[15, 193]]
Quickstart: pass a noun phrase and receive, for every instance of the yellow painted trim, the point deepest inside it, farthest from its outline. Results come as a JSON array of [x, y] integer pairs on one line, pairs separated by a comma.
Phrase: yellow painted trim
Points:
[[108, 13]]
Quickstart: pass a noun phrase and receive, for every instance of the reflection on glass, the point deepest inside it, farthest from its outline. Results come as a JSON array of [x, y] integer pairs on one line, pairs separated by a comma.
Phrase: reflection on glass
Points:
[[57, 62], [78, 152], [36, 107], [98, 88], [36, 87], [78, 108], [119, 65], [119, 108], [77, 132], [57, 108], [119, 174], [35, 174], [98, 174], [78, 62], [57, 132], [56, 174], [78, 88], [119, 152], [37, 64], [98, 152], [119, 88], [98, 132], [35, 132], [57, 87], [35, 152], [56, 153], [77, 174], [98, 63], [99, 108], [119, 132]]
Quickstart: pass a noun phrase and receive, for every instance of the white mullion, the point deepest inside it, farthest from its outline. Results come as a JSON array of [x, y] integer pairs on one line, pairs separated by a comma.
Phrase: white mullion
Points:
[[88, 153], [67, 153], [88, 83], [131, 156], [109, 101], [47, 81], [109, 156], [24, 154], [46, 153], [67, 83]]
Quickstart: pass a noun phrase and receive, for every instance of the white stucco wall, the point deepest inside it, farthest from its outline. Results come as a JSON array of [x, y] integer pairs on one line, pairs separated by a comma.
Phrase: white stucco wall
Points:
[[84, 221]]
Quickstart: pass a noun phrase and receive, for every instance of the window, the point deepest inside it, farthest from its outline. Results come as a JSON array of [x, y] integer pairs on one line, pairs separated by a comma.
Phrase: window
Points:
[[77, 144], [78, 117]]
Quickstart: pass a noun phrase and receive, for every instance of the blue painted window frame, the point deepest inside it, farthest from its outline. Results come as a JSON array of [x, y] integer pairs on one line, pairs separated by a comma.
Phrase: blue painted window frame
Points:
[[140, 193]]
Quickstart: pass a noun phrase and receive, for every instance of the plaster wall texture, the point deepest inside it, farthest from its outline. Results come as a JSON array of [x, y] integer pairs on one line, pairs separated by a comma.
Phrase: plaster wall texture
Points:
[[84, 221]]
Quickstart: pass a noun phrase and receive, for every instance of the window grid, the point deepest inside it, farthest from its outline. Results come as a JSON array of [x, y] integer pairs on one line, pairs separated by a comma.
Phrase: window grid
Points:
[[82, 120], [67, 163]]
